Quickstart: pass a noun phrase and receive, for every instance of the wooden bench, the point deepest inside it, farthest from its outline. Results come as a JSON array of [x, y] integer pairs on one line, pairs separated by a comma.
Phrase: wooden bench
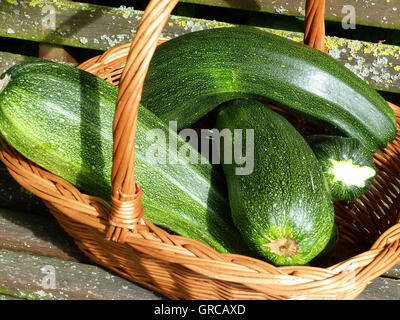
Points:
[[34, 250]]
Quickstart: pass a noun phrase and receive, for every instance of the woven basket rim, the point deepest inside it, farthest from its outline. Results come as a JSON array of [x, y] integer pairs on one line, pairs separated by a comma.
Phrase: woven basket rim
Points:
[[234, 267]]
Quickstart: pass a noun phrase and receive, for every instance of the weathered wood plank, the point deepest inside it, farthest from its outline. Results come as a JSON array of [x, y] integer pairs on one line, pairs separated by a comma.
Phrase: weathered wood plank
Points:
[[394, 272], [36, 234], [4, 297], [22, 276], [381, 288], [68, 23], [383, 14], [27, 276], [7, 60], [99, 27], [377, 64]]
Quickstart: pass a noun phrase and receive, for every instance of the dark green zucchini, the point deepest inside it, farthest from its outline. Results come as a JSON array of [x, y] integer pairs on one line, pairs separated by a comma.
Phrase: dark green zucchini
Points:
[[283, 207], [192, 74], [347, 165], [61, 118], [329, 249]]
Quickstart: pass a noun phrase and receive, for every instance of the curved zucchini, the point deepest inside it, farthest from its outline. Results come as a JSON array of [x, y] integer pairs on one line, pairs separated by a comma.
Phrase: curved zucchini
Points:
[[192, 74]]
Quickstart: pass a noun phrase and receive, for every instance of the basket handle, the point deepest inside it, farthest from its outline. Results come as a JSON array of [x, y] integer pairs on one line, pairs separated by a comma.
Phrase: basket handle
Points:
[[127, 211], [314, 25]]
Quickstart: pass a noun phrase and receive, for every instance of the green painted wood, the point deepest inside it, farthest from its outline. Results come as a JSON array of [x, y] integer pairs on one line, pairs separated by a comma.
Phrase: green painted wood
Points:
[[27, 276], [80, 24], [383, 14], [7, 60], [100, 28], [4, 297]]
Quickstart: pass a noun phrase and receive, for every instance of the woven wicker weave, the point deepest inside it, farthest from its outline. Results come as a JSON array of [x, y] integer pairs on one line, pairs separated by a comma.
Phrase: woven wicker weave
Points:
[[120, 239]]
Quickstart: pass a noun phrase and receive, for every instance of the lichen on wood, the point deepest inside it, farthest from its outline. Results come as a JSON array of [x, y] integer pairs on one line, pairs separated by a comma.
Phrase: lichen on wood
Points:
[[383, 14], [100, 28]]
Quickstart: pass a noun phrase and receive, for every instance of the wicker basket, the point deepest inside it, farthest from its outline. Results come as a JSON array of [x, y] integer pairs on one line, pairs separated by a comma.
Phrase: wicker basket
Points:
[[120, 239]]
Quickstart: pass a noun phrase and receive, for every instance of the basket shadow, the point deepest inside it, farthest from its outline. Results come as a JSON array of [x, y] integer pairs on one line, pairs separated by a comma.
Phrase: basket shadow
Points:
[[90, 133], [14, 197], [39, 234], [209, 150]]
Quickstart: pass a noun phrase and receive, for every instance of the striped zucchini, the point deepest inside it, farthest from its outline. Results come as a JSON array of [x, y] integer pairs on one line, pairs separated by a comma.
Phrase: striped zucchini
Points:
[[61, 118]]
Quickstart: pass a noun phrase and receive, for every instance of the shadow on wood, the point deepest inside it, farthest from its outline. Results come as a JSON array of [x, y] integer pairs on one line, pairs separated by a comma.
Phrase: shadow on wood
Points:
[[37, 234]]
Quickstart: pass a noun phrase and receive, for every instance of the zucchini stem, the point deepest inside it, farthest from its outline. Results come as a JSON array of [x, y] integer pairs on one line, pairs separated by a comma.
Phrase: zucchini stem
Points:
[[284, 247]]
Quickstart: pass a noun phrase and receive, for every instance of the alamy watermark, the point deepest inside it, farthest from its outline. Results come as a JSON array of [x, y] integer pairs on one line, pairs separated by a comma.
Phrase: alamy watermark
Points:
[[349, 20], [238, 147], [49, 280], [48, 17]]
